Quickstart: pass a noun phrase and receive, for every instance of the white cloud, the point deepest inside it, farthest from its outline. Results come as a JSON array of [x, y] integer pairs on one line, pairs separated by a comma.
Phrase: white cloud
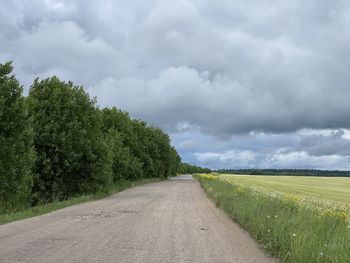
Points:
[[305, 149]]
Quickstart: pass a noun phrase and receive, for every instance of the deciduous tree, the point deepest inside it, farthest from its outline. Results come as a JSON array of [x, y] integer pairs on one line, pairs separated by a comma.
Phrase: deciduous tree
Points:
[[16, 153]]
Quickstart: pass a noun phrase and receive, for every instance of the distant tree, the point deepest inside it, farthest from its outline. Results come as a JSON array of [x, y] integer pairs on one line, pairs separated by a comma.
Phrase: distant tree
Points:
[[190, 169], [165, 159], [117, 128], [125, 166], [16, 153], [72, 155], [148, 149]]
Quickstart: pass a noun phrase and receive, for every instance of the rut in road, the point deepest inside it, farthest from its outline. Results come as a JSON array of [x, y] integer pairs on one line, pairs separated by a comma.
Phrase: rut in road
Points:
[[169, 221]]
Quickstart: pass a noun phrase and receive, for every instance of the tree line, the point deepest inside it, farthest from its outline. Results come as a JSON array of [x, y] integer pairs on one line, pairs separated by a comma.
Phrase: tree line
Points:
[[186, 168], [56, 143]]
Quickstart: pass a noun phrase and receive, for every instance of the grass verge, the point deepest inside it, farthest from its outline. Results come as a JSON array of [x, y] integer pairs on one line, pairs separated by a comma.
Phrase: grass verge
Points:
[[287, 226], [46, 208]]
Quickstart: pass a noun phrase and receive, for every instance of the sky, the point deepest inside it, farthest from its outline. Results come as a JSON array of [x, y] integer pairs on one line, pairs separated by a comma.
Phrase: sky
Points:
[[236, 84]]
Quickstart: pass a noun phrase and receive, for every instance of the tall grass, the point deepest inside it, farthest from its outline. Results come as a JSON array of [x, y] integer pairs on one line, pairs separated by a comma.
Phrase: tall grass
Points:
[[46, 208], [287, 226]]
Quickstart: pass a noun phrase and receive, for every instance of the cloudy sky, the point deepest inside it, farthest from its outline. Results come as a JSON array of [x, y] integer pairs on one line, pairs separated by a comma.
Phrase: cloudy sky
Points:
[[236, 84]]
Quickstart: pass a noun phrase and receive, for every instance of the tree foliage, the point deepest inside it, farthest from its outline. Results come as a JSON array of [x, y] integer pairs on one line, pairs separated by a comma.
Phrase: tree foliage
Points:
[[72, 156], [186, 168], [141, 151], [16, 154]]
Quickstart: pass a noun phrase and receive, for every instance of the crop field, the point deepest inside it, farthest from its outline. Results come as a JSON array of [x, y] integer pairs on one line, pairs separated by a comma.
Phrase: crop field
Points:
[[296, 219], [323, 188]]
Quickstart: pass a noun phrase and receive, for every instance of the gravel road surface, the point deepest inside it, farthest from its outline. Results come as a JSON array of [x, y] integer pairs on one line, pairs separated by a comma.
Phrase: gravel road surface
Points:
[[169, 221]]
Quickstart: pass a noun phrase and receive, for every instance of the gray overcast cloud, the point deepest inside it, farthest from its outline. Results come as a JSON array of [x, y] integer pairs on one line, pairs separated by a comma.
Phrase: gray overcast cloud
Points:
[[259, 83]]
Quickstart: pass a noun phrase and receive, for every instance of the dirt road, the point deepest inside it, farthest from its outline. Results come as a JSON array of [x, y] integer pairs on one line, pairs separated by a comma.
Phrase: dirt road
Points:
[[169, 221]]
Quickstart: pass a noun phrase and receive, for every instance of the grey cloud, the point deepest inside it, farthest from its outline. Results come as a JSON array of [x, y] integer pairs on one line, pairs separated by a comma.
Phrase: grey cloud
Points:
[[321, 145], [222, 106], [227, 67]]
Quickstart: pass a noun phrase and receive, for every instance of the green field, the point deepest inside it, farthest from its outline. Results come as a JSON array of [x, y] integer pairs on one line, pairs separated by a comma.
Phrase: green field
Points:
[[325, 188]]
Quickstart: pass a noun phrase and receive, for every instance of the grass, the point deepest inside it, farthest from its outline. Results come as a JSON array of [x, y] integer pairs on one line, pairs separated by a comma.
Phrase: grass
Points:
[[288, 226], [46, 208], [324, 188]]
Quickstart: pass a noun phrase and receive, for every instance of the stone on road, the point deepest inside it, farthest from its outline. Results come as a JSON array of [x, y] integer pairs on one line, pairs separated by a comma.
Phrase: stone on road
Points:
[[169, 221]]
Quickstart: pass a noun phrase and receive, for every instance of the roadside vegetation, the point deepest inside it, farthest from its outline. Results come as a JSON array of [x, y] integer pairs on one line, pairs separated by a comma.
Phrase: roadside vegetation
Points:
[[57, 145], [48, 207], [293, 228]]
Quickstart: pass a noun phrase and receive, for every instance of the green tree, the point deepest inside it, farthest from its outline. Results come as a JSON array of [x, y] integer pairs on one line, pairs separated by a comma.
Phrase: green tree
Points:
[[190, 169], [119, 133], [125, 166], [137, 146], [72, 156], [16, 153]]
